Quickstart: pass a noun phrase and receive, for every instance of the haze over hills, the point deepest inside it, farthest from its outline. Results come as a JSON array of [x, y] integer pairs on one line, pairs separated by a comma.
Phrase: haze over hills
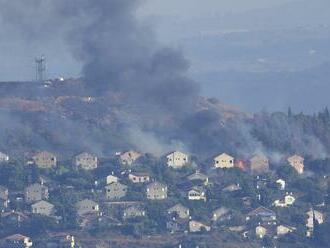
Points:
[[246, 58]]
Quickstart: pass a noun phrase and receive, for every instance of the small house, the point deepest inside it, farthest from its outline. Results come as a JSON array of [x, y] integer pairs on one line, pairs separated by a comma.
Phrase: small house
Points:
[[36, 192], [180, 211], [45, 160], [297, 162], [115, 191], [4, 197], [232, 188], [112, 179], [139, 177], [86, 161], [129, 157], [197, 226], [43, 208], [197, 193], [282, 230], [221, 214], [265, 214], [3, 157], [223, 161], [87, 206], [177, 159], [312, 217], [261, 231], [198, 177], [288, 200], [156, 191], [17, 240], [281, 184], [133, 212]]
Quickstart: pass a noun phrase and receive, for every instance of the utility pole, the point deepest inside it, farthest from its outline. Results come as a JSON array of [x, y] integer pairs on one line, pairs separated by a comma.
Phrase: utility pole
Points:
[[40, 68]]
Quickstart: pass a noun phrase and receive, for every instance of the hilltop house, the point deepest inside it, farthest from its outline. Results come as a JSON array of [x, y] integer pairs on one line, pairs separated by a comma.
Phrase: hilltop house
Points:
[[259, 164], [265, 214], [129, 157], [17, 241], [86, 161], [43, 208], [232, 188], [198, 177], [261, 231], [281, 184], [112, 179], [45, 160], [297, 162], [224, 161], [288, 200], [156, 191], [35, 192], [282, 230], [3, 157], [87, 206], [312, 216], [177, 159], [115, 191], [4, 197], [197, 193], [220, 214], [133, 212], [197, 226], [179, 210], [139, 177]]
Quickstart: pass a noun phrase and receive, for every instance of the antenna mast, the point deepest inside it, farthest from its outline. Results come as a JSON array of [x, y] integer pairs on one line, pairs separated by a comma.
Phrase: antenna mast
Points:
[[40, 68]]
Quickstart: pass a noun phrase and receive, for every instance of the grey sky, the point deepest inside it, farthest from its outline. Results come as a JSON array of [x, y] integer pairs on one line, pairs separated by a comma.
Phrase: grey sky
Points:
[[188, 8]]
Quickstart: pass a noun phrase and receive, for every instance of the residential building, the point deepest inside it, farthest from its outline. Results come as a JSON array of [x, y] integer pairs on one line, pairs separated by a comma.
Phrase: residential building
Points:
[[220, 214], [197, 226], [112, 179], [261, 231], [180, 211], [297, 162], [259, 164], [288, 200], [45, 160], [43, 208], [133, 212], [3, 157], [17, 241], [4, 197], [156, 191], [265, 214], [36, 192], [177, 159], [197, 193], [129, 157], [224, 161], [312, 216], [115, 191], [281, 183], [232, 188], [87, 206], [86, 161], [282, 230], [139, 177], [199, 177]]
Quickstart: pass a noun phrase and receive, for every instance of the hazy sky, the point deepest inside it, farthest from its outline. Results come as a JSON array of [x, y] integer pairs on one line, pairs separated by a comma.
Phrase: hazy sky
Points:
[[188, 8]]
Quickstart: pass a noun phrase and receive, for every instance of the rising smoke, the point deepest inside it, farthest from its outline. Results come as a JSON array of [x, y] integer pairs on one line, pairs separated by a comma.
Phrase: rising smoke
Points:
[[119, 56]]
